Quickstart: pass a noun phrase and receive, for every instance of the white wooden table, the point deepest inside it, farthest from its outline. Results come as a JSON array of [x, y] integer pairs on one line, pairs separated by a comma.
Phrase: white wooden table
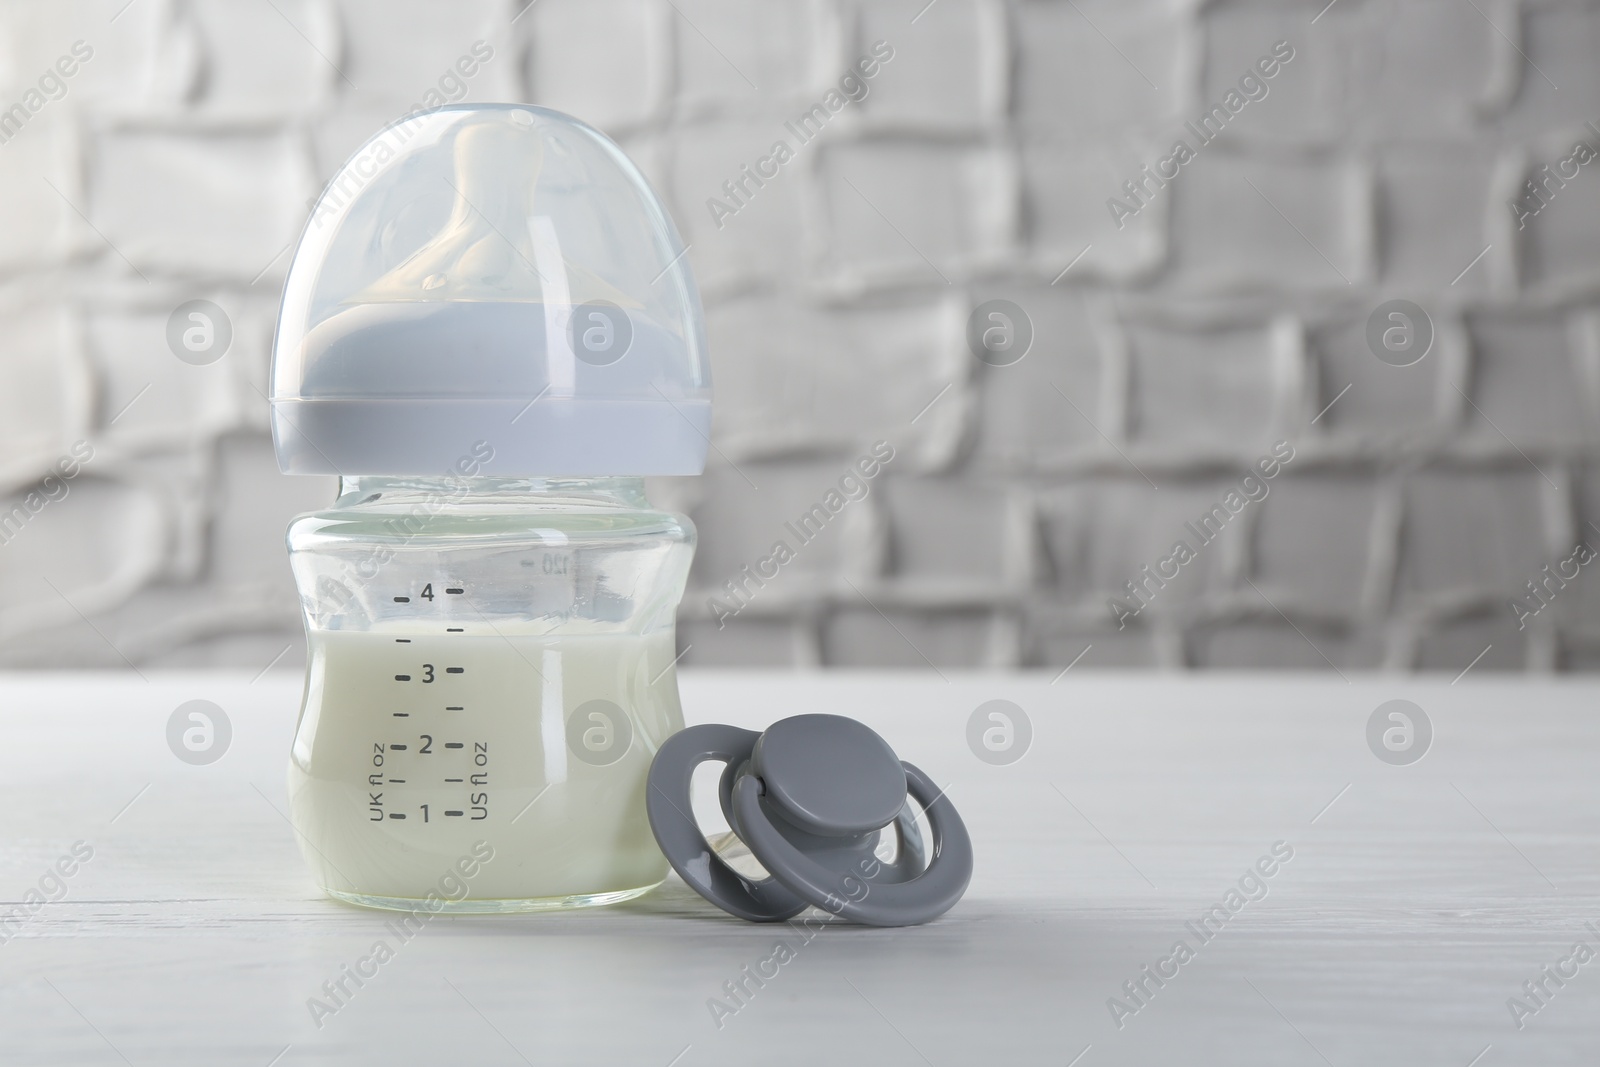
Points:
[[1418, 900]]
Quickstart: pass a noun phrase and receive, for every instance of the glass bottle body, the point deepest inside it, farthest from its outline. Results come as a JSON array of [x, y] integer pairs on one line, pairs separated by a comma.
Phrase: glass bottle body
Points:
[[490, 673]]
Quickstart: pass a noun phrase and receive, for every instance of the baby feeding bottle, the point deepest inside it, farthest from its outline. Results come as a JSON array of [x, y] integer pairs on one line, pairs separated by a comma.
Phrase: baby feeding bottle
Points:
[[490, 334]]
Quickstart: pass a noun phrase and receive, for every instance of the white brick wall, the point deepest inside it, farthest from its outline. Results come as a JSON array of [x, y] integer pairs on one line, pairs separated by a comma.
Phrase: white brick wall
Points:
[[1230, 312]]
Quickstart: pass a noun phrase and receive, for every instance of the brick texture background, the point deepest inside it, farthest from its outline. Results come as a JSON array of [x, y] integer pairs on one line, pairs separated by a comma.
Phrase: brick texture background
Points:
[[1168, 354]]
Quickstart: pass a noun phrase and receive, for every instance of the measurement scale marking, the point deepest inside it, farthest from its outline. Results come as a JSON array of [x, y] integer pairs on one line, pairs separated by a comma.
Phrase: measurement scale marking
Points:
[[454, 813], [402, 600], [455, 630], [402, 677], [455, 709], [402, 640], [455, 779], [455, 670], [453, 744], [397, 781], [455, 591], [397, 815], [402, 715], [398, 748]]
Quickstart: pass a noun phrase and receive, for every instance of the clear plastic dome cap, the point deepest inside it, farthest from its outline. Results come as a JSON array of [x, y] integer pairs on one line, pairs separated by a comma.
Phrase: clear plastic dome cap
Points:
[[494, 280]]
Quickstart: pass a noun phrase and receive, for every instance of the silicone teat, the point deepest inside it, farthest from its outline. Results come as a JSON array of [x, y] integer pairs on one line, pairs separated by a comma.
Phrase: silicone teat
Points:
[[495, 247]]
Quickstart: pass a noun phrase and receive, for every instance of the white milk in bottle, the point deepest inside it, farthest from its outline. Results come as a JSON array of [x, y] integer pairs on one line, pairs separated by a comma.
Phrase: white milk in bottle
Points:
[[412, 747]]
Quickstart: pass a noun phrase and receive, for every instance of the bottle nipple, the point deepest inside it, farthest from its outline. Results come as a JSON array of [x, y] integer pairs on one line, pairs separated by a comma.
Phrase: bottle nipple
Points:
[[494, 247]]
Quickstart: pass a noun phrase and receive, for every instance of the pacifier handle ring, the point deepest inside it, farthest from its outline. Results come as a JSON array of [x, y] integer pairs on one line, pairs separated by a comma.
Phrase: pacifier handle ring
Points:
[[681, 840], [918, 900], [910, 852]]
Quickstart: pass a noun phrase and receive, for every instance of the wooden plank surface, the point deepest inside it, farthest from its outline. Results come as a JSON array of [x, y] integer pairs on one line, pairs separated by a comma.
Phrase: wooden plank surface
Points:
[[1417, 902]]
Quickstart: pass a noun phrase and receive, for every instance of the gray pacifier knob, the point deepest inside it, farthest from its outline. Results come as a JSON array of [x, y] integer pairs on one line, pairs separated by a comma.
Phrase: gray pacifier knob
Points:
[[810, 797]]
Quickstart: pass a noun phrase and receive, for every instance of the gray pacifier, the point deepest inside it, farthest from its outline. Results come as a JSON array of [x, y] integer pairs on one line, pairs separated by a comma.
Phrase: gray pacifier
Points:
[[811, 798]]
